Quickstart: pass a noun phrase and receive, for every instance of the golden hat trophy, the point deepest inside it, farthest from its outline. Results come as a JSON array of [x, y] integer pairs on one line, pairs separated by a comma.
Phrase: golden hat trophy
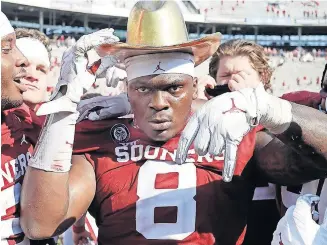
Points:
[[159, 26]]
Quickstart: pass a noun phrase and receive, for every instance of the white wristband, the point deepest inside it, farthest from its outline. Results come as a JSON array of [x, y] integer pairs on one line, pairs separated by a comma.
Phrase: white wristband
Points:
[[53, 151], [275, 113]]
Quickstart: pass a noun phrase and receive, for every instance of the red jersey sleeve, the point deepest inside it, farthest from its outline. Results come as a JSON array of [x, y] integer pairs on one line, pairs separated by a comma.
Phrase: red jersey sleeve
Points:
[[307, 98]]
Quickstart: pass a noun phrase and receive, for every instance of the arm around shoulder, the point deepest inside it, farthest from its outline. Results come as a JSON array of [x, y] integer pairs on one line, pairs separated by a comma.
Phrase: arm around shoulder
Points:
[[52, 202], [285, 165]]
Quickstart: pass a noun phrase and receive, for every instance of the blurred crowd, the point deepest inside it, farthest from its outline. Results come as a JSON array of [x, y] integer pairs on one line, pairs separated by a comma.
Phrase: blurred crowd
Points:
[[298, 53], [272, 9]]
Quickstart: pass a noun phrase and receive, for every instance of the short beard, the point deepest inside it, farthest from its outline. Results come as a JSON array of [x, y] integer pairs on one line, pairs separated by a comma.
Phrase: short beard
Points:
[[8, 104]]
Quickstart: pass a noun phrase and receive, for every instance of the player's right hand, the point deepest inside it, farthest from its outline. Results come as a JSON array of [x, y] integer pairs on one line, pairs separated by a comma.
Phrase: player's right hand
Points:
[[76, 77], [297, 227], [220, 124]]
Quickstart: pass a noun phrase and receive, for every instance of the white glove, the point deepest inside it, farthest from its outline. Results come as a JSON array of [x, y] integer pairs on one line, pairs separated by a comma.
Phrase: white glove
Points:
[[297, 227], [75, 75], [115, 75], [104, 107], [54, 147], [221, 123]]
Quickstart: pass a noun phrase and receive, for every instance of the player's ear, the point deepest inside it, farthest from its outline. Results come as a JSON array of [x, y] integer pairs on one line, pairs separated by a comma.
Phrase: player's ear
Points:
[[195, 88]]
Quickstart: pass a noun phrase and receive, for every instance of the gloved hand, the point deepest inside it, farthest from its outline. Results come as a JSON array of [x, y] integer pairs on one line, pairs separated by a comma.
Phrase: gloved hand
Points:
[[75, 79], [221, 123], [75, 75], [297, 227], [104, 107], [115, 75]]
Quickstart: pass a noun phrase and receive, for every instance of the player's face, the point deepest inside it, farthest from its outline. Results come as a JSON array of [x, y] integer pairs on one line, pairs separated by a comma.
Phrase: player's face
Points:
[[35, 80], [230, 65], [12, 70], [162, 103]]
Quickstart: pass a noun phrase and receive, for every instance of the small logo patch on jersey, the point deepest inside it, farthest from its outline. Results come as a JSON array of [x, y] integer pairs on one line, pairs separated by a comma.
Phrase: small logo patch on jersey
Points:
[[23, 140], [119, 133]]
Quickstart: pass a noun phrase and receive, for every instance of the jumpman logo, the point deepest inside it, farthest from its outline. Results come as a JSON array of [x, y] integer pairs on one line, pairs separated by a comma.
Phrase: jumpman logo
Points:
[[158, 68], [23, 140], [280, 239], [234, 108]]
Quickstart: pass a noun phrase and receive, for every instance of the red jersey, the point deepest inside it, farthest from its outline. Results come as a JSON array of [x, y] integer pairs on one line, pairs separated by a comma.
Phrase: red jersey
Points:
[[307, 98], [143, 197], [19, 132]]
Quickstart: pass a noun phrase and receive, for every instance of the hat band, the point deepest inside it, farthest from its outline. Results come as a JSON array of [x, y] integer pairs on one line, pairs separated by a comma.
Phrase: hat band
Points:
[[159, 63]]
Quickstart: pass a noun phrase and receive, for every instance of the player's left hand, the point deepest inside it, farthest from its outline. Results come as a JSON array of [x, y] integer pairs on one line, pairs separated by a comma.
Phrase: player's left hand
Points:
[[218, 125], [297, 227]]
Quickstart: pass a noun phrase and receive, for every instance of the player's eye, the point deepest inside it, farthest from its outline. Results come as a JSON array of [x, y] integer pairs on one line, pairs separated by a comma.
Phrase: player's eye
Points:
[[43, 70], [142, 90], [174, 89], [6, 50], [225, 75]]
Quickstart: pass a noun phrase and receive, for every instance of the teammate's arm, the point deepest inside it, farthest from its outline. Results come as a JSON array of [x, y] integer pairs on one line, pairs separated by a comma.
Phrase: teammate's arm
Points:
[[307, 133], [297, 155], [55, 194], [58, 199]]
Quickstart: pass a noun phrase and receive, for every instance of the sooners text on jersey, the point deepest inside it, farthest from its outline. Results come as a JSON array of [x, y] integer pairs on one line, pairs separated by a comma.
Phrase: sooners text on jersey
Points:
[[143, 197]]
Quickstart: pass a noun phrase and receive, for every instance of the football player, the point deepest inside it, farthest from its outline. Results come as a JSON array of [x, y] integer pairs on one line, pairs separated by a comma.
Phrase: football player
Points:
[[20, 127], [19, 132], [126, 171]]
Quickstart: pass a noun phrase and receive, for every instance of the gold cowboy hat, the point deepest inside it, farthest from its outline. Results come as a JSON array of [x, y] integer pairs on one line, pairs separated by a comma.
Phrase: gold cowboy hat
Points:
[[159, 26]]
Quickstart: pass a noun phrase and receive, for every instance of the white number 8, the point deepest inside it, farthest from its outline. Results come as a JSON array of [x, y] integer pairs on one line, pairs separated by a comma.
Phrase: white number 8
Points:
[[150, 198]]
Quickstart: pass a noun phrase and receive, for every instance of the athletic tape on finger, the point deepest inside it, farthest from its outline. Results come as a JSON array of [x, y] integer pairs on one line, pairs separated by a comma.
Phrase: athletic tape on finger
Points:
[[186, 139], [230, 160]]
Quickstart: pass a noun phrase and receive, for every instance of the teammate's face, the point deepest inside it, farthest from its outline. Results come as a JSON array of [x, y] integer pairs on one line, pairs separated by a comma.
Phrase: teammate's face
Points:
[[36, 79], [230, 67], [12, 70], [162, 103]]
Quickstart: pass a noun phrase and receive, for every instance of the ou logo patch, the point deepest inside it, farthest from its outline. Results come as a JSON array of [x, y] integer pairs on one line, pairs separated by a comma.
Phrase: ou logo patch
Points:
[[119, 133], [151, 198]]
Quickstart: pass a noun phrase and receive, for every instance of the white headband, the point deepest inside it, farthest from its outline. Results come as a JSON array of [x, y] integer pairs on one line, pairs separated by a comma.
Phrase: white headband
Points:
[[159, 63], [5, 26], [33, 48]]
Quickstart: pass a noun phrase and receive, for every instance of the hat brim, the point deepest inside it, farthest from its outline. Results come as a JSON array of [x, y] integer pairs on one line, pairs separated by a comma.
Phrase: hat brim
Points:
[[201, 48]]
